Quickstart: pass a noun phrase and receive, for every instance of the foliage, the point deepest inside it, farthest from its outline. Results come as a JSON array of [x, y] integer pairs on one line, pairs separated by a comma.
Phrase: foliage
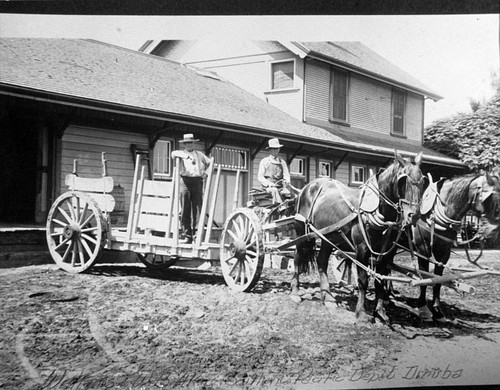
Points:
[[473, 138]]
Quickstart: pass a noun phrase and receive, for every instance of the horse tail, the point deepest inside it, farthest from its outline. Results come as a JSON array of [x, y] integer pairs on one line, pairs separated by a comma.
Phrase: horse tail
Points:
[[305, 255]]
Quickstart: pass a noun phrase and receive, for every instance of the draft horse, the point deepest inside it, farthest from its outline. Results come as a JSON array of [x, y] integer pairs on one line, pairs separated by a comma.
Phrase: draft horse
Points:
[[325, 203], [444, 205]]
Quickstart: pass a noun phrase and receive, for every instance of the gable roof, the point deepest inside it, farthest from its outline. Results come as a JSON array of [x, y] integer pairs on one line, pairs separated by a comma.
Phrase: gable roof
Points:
[[358, 57], [99, 75]]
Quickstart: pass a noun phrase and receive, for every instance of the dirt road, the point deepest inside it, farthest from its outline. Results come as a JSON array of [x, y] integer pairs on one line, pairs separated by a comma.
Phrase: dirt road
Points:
[[125, 327]]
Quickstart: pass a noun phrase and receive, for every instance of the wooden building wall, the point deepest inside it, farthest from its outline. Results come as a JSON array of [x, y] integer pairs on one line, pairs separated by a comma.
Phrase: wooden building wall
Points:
[[369, 103]]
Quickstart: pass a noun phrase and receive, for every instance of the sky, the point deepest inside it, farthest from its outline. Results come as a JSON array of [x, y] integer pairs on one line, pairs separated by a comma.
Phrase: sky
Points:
[[453, 55]]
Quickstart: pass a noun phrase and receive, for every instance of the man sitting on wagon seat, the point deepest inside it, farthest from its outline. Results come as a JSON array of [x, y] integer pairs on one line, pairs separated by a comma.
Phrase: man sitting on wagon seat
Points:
[[192, 172], [273, 172]]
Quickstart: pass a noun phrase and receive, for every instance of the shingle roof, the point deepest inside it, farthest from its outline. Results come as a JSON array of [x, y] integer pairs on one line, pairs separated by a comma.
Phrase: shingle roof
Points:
[[358, 56], [98, 73]]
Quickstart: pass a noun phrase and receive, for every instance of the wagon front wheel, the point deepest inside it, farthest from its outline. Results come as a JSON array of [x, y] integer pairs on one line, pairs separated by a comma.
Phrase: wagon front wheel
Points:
[[75, 228], [242, 250]]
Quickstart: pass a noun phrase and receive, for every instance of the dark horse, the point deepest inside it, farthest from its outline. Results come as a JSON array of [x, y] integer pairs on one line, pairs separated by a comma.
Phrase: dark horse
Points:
[[325, 203], [444, 205]]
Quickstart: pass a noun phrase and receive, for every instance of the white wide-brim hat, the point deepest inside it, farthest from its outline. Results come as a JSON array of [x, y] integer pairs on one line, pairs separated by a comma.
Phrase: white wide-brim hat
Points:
[[188, 138], [274, 143]]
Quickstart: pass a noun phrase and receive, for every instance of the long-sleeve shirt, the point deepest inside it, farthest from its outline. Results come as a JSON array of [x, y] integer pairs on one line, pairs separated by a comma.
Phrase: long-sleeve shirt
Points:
[[271, 170], [194, 163]]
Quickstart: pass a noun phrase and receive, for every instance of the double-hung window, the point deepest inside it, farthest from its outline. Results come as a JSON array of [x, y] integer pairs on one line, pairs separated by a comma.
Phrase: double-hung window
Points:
[[358, 174], [338, 95], [282, 74], [398, 111], [162, 162]]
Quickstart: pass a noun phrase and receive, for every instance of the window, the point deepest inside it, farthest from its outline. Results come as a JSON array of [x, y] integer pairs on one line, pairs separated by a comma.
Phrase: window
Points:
[[325, 169], [297, 167], [338, 94], [398, 111], [231, 159], [298, 172], [282, 75], [358, 174], [162, 163]]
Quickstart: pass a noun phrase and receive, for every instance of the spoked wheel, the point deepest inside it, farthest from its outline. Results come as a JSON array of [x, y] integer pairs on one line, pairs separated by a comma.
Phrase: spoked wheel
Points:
[[156, 262], [344, 270], [242, 250], [75, 228]]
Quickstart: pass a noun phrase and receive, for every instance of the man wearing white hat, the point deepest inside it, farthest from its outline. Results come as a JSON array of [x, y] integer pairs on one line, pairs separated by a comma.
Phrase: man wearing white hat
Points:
[[273, 172], [192, 171]]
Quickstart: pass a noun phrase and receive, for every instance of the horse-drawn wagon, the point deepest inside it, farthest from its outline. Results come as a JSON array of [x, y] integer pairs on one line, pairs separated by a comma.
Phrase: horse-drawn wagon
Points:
[[79, 227], [363, 226]]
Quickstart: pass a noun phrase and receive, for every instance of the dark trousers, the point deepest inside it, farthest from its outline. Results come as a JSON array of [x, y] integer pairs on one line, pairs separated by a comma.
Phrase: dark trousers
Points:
[[191, 192]]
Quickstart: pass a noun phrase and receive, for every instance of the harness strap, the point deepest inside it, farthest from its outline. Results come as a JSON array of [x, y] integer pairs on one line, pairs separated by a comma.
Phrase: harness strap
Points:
[[349, 204]]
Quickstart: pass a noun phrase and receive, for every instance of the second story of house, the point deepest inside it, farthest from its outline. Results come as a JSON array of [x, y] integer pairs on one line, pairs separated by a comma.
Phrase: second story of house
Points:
[[343, 87]]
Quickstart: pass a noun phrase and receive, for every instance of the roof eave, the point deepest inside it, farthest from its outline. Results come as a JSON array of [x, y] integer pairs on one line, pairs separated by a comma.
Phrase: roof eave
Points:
[[28, 93], [333, 61]]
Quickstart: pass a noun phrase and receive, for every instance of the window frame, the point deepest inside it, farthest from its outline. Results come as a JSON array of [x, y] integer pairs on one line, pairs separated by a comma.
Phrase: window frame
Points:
[[271, 74], [332, 95], [302, 165], [325, 163], [228, 162], [402, 93], [169, 174], [352, 168]]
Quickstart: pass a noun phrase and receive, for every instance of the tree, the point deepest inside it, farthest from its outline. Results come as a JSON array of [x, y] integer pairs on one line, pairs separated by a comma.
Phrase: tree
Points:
[[473, 138]]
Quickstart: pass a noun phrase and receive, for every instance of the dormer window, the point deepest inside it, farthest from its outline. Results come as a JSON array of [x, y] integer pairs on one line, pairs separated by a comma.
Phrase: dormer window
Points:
[[282, 74]]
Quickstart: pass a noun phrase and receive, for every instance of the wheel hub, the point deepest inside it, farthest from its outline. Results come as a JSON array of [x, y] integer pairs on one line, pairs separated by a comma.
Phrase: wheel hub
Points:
[[71, 231], [238, 249]]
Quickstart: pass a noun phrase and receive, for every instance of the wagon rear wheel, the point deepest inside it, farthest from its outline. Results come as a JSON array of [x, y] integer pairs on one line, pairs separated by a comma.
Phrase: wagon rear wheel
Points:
[[242, 250], [75, 227], [345, 271], [156, 262]]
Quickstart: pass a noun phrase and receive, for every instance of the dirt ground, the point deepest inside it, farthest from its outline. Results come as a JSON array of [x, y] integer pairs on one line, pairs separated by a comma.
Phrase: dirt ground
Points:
[[127, 327]]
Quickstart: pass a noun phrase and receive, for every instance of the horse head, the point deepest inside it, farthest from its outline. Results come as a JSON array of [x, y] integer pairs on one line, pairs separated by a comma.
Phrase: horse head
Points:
[[487, 203], [403, 184]]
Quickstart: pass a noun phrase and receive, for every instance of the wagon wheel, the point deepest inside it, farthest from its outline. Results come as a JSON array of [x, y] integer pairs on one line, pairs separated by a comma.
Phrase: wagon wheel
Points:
[[156, 262], [345, 271], [242, 250], [75, 227]]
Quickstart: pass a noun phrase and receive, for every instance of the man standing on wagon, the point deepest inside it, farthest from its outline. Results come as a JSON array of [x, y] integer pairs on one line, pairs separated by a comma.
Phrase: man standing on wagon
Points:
[[192, 171], [273, 172]]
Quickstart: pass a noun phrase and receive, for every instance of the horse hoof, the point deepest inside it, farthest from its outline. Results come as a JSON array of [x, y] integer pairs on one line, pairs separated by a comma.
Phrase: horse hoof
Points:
[[363, 319], [382, 317], [425, 314], [438, 316]]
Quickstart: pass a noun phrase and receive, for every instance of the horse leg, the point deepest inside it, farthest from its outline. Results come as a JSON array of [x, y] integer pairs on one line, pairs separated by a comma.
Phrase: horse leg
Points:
[[422, 248], [441, 254], [382, 288], [362, 317], [294, 283], [322, 261], [298, 257]]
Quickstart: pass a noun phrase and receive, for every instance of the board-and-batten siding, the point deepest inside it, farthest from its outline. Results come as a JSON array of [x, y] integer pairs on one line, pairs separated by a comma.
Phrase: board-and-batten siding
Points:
[[86, 146], [369, 103]]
